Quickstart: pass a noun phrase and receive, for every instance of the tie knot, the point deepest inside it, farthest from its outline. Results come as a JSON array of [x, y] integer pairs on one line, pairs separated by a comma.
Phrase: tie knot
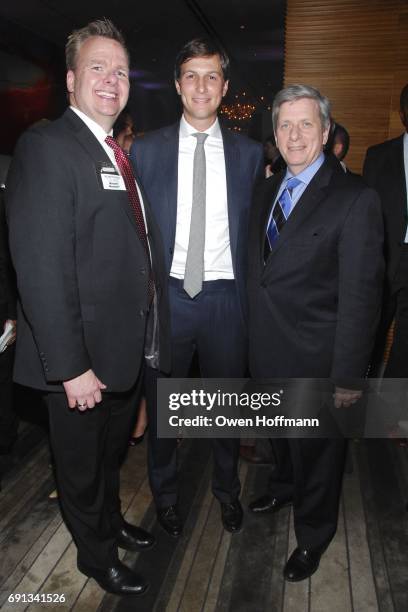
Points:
[[112, 143], [201, 137], [292, 183]]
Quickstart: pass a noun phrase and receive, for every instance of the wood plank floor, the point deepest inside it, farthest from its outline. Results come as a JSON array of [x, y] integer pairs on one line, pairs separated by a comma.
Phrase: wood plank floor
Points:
[[207, 569]]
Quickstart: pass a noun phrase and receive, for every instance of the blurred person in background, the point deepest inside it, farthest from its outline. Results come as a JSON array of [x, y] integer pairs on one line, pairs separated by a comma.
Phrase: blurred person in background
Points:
[[386, 170]]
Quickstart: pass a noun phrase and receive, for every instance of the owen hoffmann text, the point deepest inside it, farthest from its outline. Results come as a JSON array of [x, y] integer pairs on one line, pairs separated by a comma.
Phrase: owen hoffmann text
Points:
[[219, 401]]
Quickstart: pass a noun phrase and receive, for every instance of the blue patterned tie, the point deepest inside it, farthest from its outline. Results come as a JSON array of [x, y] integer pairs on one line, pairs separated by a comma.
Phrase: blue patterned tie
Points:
[[280, 213]]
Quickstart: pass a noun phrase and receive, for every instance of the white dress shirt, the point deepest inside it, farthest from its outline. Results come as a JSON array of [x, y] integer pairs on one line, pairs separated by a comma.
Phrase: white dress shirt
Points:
[[217, 251], [100, 135]]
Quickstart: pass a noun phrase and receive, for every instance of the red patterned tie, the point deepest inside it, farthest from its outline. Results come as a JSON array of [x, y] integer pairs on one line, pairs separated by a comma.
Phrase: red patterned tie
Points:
[[126, 171]]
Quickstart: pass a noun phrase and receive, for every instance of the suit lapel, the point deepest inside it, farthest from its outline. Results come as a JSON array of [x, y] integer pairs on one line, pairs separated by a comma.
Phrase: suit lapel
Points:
[[397, 182], [96, 151], [309, 201], [271, 189], [232, 173], [85, 137], [170, 174]]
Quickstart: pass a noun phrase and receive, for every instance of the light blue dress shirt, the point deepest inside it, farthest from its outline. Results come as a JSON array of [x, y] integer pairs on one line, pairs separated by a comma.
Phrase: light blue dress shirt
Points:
[[305, 176]]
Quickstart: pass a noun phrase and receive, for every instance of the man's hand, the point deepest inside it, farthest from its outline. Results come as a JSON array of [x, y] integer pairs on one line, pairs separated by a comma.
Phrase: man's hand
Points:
[[346, 397], [84, 391], [14, 325]]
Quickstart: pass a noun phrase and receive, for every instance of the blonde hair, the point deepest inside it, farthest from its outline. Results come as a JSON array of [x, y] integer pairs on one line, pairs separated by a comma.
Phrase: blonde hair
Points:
[[100, 27]]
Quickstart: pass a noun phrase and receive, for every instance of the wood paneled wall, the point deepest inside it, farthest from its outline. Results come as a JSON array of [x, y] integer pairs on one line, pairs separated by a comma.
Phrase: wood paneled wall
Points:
[[356, 53]]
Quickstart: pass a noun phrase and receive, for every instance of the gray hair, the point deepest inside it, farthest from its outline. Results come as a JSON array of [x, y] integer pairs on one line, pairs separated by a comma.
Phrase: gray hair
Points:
[[296, 92], [100, 27]]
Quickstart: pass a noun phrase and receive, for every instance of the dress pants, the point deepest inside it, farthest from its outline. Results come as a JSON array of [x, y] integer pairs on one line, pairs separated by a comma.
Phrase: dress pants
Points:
[[210, 324], [310, 471], [88, 449]]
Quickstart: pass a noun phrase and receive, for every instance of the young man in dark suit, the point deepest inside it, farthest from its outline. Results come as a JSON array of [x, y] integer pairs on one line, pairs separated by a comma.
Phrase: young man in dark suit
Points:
[[386, 169], [199, 178], [315, 278], [88, 259]]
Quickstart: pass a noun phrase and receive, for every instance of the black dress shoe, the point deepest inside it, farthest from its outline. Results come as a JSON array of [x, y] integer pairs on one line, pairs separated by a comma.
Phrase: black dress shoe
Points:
[[301, 564], [170, 520], [268, 503], [131, 537], [119, 579], [232, 515]]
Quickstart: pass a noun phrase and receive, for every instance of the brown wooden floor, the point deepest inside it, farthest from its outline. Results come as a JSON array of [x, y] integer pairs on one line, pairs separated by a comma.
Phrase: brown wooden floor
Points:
[[364, 570]]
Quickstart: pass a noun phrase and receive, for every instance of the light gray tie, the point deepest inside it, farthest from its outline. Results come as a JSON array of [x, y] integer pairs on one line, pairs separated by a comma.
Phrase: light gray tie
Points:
[[194, 273]]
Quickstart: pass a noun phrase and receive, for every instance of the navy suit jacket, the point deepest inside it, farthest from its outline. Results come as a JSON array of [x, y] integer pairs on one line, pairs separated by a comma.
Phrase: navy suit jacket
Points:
[[384, 170], [155, 157]]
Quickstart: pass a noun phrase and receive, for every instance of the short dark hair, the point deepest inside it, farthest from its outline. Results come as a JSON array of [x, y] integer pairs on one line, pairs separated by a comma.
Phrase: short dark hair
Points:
[[124, 120], [340, 134], [201, 47], [99, 27], [404, 97]]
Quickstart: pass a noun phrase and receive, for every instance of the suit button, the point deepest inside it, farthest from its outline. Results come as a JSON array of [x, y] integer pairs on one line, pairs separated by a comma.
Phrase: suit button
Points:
[[142, 271], [171, 251], [142, 313]]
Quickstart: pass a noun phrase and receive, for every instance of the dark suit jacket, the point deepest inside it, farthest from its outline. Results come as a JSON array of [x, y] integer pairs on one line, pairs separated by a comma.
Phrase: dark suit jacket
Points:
[[314, 306], [156, 160], [82, 270], [384, 170], [7, 288]]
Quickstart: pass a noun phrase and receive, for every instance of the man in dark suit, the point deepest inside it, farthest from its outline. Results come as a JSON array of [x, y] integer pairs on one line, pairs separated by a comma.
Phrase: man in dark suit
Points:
[[199, 178], [315, 275], [8, 418], [386, 169], [90, 282]]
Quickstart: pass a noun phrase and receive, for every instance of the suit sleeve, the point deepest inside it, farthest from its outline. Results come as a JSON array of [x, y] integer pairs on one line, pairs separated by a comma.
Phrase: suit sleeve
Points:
[[361, 271], [370, 169], [137, 157], [40, 201], [260, 166]]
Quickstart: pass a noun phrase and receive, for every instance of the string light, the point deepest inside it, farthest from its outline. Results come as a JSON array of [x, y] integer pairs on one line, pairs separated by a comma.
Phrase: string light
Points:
[[240, 111], [237, 111]]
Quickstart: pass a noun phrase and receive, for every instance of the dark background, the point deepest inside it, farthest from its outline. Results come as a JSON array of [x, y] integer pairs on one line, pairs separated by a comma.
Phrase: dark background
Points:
[[32, 66]]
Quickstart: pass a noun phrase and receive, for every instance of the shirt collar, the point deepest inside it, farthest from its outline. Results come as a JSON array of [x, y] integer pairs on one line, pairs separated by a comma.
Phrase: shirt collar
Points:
[[308, 173], [187, 130], [95, 128]]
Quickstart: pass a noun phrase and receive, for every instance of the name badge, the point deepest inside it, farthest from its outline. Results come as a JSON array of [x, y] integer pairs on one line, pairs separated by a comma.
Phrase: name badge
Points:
[[111, 179]]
